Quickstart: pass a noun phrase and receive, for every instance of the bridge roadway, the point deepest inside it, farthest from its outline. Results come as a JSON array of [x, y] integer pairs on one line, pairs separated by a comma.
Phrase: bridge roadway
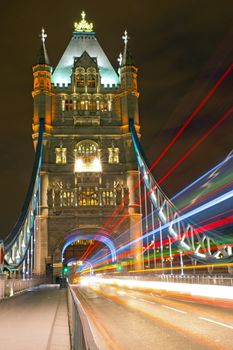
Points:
[[35, 320], [133, 320]]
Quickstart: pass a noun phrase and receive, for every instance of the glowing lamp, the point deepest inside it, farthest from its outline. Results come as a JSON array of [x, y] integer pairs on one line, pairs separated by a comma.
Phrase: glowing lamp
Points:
[[94, 166]]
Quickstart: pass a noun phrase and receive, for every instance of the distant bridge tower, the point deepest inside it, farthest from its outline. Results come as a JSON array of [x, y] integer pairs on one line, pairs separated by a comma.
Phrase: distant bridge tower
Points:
[[89, 164]]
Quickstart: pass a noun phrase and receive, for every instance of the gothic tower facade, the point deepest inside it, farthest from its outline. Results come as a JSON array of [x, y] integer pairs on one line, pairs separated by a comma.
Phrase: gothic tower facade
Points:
[[89, 168]]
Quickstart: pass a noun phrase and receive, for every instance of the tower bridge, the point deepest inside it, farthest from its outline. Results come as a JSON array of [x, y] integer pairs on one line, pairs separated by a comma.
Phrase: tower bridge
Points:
[[90, 170], [91, 185]]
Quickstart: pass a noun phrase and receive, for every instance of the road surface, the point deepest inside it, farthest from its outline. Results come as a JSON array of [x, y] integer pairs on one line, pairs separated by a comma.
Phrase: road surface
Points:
[[134, 320]]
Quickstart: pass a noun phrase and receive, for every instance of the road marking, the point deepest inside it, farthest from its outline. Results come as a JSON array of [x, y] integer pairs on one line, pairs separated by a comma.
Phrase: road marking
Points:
[[147, 301], [216, 322], [177, 310]]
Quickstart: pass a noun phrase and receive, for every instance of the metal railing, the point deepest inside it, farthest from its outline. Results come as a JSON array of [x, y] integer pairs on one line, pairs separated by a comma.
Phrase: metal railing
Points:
[[198, 279], [10, 287], [81, 334], [217, 280]]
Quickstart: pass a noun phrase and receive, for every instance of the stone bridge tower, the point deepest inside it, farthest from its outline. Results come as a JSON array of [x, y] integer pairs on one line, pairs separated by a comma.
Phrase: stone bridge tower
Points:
[[88, 163]]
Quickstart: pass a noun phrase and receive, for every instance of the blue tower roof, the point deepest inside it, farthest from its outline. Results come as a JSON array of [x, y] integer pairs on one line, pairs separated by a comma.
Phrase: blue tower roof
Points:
[[84, 39]]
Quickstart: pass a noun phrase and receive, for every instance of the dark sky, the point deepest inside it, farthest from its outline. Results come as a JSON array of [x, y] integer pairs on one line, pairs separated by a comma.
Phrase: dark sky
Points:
[[181, 49]]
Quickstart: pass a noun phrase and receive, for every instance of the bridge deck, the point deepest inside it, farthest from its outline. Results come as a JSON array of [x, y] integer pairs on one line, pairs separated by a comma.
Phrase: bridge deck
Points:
[[36, 319]]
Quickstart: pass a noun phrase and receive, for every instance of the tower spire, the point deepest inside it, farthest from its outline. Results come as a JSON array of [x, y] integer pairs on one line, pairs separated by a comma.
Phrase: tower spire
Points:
[[125, 37], [127, 58], [43, 35], [42, 56]]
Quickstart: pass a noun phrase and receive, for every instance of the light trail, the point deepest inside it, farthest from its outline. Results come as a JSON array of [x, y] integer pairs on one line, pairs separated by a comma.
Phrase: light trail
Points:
[[191, 213], [153, 226], [193, 115], [210, 226], [172, 169], [200, 199], [185, 125], [165, 241], [211, 291], [194, 146], [206, 196], [216, 167]]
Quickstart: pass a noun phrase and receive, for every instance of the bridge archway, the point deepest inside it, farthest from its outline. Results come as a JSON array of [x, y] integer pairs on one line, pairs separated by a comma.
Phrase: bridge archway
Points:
[[79, 235]]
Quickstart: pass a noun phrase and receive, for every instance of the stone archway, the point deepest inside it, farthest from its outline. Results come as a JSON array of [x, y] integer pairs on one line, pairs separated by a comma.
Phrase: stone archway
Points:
[[76, 235], [80, 234]]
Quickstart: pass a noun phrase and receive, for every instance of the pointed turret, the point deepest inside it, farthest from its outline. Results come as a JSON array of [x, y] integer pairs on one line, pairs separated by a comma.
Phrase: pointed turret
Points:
[[42, 56], [84, 39], [127, 58], [42, 86], [129, 88]]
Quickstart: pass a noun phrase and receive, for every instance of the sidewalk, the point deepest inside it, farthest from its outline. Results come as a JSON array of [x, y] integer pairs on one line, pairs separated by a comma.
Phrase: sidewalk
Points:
[[35, 320]]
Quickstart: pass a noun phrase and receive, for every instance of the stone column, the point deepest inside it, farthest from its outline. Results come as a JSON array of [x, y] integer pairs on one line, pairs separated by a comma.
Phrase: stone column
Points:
[[135, 217], [41, 234]]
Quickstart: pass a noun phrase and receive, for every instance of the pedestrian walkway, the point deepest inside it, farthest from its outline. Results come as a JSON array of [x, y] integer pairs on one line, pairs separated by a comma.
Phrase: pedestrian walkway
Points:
[[35, 320]]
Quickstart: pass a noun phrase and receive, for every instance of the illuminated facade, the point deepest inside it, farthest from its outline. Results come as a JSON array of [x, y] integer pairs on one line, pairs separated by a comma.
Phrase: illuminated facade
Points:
[[89, 164]]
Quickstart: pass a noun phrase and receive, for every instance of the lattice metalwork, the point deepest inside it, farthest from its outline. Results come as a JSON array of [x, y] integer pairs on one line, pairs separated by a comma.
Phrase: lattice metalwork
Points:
[[20, 243], [203, 247]]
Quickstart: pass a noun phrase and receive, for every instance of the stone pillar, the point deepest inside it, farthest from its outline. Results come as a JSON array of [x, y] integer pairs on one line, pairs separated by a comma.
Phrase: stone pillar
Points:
[[41, 243], [135, 218]]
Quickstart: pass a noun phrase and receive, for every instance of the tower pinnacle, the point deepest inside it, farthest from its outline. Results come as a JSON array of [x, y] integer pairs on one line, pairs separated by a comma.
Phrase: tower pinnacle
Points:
[[120, 59], [43, 35], [42, 56], [127, 58], [125, 37], [83, 26]]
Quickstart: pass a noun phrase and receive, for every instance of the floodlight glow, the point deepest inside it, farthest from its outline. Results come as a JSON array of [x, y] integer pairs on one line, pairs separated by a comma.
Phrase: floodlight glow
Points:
[[94, 166], [78, 165]]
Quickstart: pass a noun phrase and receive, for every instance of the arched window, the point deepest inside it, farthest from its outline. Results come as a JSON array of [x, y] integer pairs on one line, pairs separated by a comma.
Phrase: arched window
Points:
[[113, 155], [68, 105], [60, 155], [91, 81], [103, 106], [80, 80], [87, 157]]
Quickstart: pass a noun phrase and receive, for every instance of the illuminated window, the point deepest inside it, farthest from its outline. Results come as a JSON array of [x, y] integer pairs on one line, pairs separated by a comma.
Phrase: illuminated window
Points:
[[87, 157], [109, 105], [63, 105], [68, 105], [88, 196], [80, 80], [91, 81], [67, 198], [81, 105], [60, 155], [113, 155], [108, 198], [103, 106], [92, 106]]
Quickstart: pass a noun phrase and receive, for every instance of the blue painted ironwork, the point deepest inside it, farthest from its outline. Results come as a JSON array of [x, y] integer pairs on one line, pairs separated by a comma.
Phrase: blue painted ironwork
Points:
[[19, 244], [203, 247]]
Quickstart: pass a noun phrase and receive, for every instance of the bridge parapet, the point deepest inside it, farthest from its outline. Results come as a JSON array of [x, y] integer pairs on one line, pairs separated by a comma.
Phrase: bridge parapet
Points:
[[82, 337], [9, 287]]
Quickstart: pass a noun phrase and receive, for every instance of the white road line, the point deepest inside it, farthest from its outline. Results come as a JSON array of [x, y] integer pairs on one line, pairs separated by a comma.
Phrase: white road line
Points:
[[216, 322], [172, 308]]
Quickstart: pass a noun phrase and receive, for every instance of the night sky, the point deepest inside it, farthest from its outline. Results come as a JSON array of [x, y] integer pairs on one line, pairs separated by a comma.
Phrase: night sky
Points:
[[180, 47]]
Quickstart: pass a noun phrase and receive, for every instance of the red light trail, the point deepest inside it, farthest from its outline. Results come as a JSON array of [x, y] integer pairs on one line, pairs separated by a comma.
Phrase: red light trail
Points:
[[171, 143]]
